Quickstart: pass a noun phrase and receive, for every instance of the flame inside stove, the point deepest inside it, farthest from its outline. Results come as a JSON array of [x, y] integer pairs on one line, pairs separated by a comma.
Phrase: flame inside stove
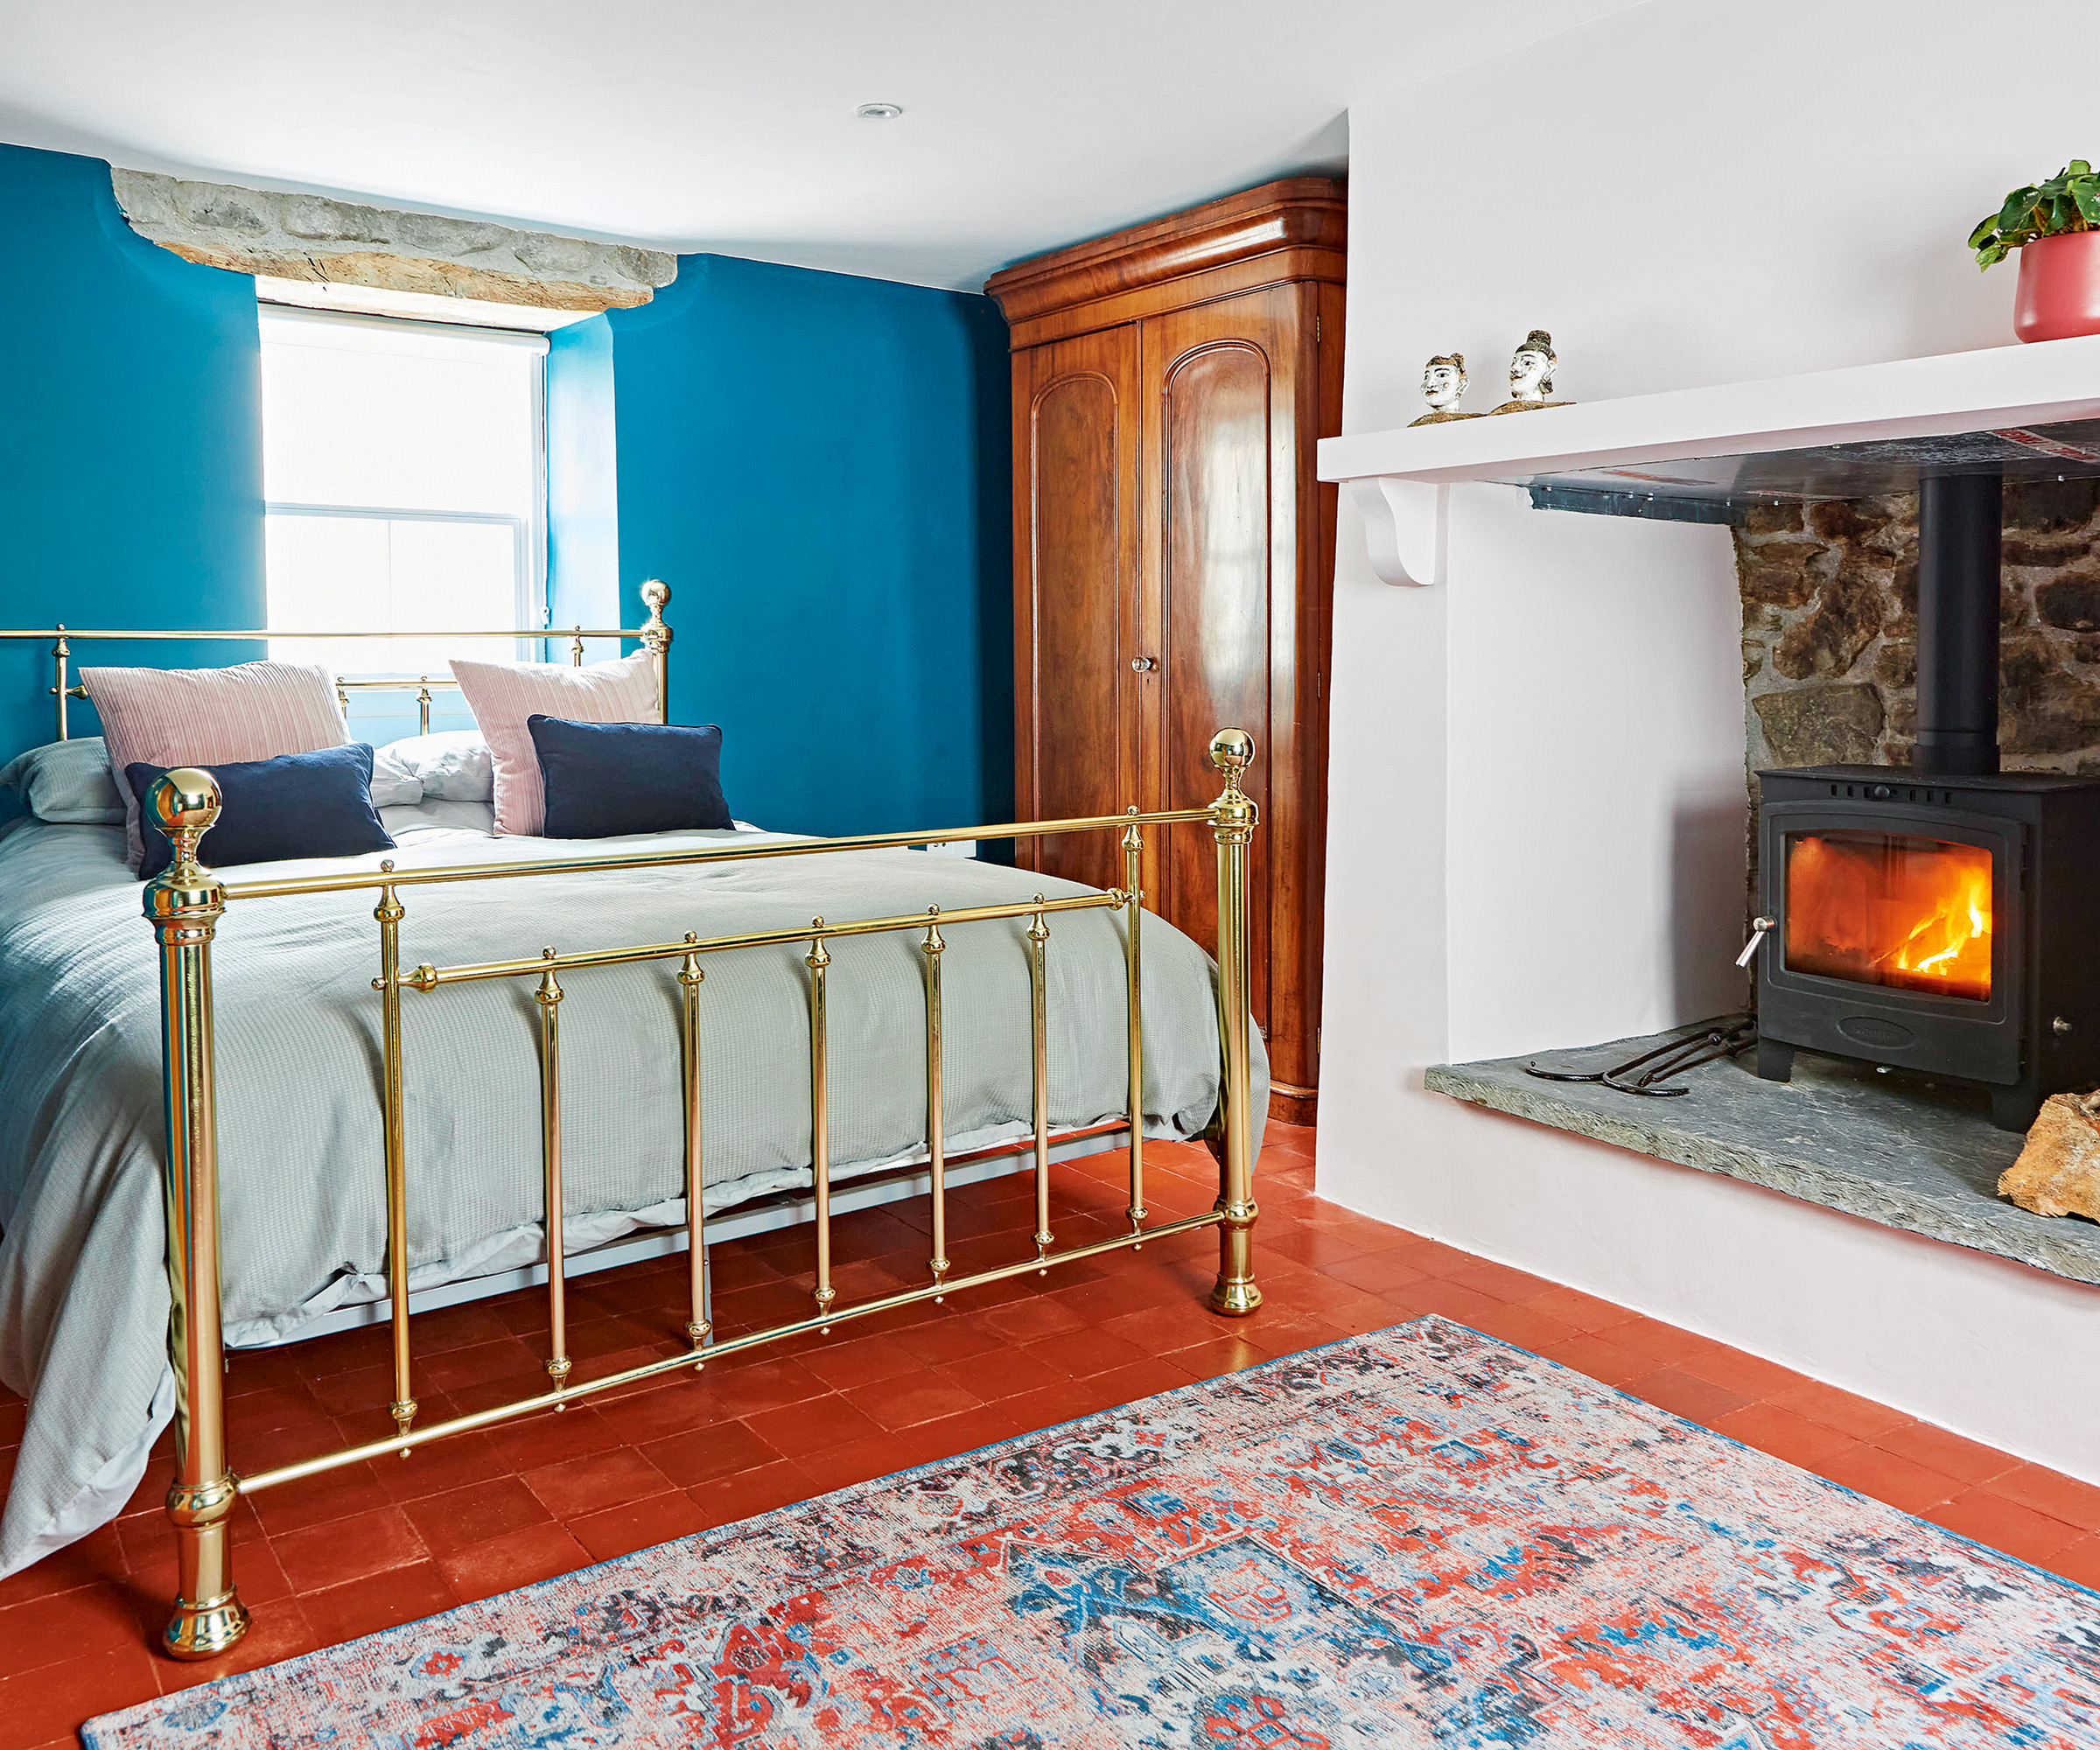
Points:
[[1884, 908]]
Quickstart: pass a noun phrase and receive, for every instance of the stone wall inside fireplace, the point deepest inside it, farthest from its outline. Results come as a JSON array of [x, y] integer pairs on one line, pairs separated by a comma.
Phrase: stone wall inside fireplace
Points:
[[1829, 630]]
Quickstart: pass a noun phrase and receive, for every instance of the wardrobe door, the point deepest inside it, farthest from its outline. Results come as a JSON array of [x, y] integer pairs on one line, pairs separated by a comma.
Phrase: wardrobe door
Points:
[[1222, 583], [1077, 424]]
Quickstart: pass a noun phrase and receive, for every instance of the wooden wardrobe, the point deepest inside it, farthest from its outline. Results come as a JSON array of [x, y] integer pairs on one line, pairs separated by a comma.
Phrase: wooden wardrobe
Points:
[[1174, 560]]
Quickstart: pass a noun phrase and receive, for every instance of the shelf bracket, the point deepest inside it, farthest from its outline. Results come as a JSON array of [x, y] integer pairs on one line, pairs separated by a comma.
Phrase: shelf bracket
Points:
[[1405, 525]]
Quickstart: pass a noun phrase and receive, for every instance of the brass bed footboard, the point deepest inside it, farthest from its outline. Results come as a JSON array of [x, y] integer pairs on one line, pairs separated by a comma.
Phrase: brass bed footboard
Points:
[[185, 903]]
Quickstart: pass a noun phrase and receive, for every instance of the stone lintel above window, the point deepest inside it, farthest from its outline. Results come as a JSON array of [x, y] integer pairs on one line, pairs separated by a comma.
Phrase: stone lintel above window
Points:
[[309, 237]]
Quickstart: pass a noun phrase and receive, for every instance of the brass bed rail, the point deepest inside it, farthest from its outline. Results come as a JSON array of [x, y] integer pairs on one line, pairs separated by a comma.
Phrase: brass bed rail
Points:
[[653, 634], [187, 901]]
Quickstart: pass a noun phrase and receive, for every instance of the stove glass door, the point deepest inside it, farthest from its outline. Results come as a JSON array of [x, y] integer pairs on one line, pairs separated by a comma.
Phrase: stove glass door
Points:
[[1890, 908]]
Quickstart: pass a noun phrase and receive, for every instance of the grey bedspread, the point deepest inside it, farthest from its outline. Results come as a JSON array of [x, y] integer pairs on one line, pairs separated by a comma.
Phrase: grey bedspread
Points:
[[83, 1296]]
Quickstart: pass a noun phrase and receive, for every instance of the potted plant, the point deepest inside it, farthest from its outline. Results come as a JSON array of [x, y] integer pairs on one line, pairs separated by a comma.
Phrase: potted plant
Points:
[[2056, 226]]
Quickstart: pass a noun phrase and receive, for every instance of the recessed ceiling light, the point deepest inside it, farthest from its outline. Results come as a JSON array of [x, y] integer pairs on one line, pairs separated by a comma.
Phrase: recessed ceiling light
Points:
[[879, 112]]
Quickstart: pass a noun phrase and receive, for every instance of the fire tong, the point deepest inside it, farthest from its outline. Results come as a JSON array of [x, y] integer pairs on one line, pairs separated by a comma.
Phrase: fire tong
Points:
[[1719, 1038]]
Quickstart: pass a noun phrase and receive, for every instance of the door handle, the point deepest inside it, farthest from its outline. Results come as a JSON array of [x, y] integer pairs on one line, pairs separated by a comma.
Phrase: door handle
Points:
[[1143, 665]]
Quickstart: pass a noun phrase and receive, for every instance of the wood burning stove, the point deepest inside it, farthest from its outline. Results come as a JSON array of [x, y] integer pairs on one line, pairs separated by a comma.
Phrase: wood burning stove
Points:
[[1944, 918]]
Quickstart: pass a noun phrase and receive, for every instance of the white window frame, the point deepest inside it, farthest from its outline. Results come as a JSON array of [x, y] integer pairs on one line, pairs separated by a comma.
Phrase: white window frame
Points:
[[529, 601]]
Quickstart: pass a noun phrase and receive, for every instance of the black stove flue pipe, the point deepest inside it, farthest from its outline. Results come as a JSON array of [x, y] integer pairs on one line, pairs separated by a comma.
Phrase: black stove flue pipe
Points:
[[1958, 530]]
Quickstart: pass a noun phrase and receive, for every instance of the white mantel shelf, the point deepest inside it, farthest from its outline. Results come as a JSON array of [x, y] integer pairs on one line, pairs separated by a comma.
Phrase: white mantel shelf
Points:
[[2031, 410]]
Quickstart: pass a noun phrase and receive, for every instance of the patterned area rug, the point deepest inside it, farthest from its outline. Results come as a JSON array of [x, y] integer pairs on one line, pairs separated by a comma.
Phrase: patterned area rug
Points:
[[1421, 1537]]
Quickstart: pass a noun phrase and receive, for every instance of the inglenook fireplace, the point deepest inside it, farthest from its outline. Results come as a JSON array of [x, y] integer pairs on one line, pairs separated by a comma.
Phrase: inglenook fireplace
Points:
[[1945, 918]]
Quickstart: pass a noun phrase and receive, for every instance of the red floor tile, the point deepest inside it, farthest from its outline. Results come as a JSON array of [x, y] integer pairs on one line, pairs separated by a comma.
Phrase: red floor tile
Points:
[[346, 1550], [1775, 1428], [1969, 1460], [1685, 1394], [364, 1606], [912, 1397], [448, 1523], [2004, 1524], [1900, 1481], [706, 1453], [515, 1558], [51, 1701], [653, 1519], [389, 1540], [726, 1500], [1861, 1417], [596, 1482]]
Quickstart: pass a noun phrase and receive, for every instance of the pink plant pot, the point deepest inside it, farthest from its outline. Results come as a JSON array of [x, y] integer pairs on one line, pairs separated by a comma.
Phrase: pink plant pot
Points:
[[2059, 287]]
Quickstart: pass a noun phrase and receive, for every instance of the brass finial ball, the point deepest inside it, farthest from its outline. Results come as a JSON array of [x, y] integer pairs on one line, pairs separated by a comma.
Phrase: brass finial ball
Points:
[[184, 799], [655, 593], [1232, 751]]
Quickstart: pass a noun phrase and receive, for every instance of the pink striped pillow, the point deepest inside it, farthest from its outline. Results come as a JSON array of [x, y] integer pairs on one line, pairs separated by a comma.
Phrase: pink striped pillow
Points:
[[199, 716], [502, 695]]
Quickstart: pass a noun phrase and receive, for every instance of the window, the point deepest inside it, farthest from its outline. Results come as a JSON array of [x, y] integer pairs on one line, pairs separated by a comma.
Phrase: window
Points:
[[403, 475]]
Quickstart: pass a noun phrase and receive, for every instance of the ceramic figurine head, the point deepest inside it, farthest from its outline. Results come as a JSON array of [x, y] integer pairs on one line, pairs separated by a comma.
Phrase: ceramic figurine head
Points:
[[1531, 370], [1444, 380]]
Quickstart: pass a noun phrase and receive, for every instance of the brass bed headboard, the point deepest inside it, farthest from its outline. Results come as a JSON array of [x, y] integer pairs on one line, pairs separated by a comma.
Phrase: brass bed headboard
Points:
[[653, 634]]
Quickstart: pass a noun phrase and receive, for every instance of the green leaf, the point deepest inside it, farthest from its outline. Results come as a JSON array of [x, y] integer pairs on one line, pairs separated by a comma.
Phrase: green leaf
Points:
[[1984, 228], [2087, 196], [1991, 255], [2078, 167]]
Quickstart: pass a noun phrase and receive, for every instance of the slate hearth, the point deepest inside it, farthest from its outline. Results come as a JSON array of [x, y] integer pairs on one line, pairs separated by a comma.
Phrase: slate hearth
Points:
[[1894, 1147]]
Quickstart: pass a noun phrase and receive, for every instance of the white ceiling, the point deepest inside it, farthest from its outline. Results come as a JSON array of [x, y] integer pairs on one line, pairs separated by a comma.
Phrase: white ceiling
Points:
[[697, 124]]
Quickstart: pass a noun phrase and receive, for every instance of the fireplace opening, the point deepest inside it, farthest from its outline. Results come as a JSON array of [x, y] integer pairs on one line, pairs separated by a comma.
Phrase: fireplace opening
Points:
[[1890, 908]]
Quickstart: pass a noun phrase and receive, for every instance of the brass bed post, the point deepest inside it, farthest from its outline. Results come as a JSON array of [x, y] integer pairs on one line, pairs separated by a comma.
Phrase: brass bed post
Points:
[[394, 1138], [1039, 942], [657, 636], [1133, 857], [817, 960], [936, 1100], [185, 903], [1232, 819], [550, 998], [691, 978]]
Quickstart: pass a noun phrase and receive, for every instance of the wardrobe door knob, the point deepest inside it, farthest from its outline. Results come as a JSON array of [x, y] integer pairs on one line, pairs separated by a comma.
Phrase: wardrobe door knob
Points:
[[1143, 664]]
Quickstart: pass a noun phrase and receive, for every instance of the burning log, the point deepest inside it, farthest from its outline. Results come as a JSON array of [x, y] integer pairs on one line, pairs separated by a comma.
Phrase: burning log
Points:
[[2058, 1171]]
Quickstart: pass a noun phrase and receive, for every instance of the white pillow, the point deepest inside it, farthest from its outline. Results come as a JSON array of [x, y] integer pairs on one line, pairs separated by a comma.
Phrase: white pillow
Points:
[[452, 766], [395, 784], [67, 781]]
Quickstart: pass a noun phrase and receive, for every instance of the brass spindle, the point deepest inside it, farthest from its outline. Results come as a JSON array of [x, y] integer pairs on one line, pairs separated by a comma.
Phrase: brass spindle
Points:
[[820, 1119], [422, 704], [689, 980], [576, 649], [1039, 939], [394, 1142], [936, 1115], [550, 999], [1133, 853], [1232, 819], [60, 652]]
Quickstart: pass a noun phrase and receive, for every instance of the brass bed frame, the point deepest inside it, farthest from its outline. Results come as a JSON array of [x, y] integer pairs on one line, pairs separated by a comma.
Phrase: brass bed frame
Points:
[[185, 903]]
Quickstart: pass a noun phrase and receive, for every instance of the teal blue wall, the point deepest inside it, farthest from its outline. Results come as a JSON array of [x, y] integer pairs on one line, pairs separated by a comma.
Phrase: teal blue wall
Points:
[[131, 439], [816, 464], [818, 467]]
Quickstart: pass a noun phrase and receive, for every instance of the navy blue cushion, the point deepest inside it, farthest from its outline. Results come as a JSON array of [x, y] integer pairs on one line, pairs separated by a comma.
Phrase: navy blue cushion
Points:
[[295, 805], [603, 779]]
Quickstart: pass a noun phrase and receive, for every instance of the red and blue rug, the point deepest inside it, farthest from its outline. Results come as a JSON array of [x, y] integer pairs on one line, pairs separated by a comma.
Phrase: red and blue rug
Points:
[[1420, 1537]]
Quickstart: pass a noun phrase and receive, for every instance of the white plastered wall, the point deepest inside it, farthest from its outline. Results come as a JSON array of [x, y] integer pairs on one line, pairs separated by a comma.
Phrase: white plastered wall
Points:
[[1536, 792]]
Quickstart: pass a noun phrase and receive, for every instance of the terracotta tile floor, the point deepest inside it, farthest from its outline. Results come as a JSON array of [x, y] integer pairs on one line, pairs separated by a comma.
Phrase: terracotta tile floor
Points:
[[335, 1558]]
